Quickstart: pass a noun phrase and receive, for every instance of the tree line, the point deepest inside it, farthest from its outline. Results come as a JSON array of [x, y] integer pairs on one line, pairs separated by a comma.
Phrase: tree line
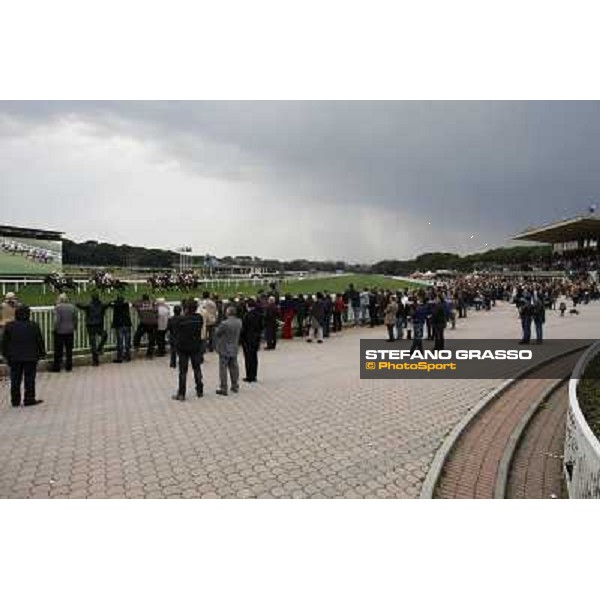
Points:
[[93, 253]]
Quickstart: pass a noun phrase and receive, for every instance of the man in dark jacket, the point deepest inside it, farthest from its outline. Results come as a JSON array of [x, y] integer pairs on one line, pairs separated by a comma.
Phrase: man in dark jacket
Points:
[[121, 323], [252, 326], [317, 317], [22, 347], [172, 326], [438, 323], [525, 313], [94, 323], [300, 315], [539, 318], [188, 342], [374, 308], [328, 302], [271, 314], [147, 325]]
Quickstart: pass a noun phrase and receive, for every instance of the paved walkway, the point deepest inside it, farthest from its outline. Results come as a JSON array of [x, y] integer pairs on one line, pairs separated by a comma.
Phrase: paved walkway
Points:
[[309, 428], [537, 466], [473, 466]]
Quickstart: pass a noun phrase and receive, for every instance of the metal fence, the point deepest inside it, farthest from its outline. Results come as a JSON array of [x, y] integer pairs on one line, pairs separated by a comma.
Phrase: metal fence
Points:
[[44, 316], [582, 448]]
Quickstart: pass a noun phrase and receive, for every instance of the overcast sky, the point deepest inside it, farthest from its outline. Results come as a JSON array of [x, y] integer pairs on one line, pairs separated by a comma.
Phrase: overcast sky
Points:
[[358, 181]]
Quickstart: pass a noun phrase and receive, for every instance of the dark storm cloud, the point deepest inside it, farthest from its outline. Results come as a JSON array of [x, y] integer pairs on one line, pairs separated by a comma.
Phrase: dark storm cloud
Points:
[[486, 169]]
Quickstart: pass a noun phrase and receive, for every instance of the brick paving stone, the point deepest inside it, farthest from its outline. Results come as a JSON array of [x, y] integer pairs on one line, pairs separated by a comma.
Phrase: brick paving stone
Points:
[[536, 471], [310, 426]]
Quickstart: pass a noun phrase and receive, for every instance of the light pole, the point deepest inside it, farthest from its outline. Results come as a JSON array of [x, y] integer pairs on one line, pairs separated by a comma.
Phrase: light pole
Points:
[[185, 258]]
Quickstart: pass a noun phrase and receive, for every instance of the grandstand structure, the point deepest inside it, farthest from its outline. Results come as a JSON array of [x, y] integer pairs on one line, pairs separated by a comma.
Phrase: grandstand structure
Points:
[[578, 233], [575, 245]]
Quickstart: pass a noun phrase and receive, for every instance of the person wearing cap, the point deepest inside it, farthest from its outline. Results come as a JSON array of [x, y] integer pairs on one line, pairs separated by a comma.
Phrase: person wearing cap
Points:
[[23, 347], [65, 323]]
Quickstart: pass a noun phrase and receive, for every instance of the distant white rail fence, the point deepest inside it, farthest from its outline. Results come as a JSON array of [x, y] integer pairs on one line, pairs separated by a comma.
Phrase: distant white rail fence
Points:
[[582, 448], [14, 285]]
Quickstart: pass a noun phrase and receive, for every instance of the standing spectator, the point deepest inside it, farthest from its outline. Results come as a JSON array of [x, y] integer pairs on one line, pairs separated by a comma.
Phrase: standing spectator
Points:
[[338, 311], [430, 305], [389, 318], [147, 325], [271, 315], [373, 308], [438, 324], [65, 323], [252, 326], [317, 316], [287, 310], [163, 314], [539, 318], [354, 302], [210, 311], [94, 323], [418, 324], [365, 298], [121, 323], [525, 311], [400, 317], [23, 347], [227, 338], [7, 311], [300, 315], [352, 298], [172, 329], [328, 309], [188, 342]]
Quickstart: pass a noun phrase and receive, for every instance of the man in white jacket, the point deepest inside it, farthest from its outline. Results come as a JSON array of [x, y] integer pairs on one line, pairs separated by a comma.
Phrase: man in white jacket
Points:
[[210, 319], [163, 320]]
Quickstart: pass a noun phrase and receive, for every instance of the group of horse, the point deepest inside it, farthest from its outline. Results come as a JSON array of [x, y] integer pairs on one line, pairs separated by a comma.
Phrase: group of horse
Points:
[[101, 280], [183, 282], [106, 282]]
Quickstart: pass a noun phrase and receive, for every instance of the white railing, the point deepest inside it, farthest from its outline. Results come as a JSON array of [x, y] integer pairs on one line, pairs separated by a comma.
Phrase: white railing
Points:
[[582, 447], [14, 285], [44, 317]]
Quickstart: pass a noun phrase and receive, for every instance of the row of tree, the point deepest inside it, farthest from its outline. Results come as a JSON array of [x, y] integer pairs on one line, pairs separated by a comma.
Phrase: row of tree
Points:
[[92, 253], [516, 257]]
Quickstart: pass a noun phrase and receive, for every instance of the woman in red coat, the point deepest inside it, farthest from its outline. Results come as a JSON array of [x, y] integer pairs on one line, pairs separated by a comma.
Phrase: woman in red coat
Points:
[[287, 312]]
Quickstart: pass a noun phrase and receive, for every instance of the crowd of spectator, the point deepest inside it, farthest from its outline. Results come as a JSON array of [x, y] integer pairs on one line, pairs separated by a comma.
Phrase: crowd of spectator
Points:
[[211, 324]]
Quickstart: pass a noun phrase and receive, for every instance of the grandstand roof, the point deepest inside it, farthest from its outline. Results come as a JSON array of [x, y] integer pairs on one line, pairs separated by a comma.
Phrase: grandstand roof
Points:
[[569, 230], [27, 232]]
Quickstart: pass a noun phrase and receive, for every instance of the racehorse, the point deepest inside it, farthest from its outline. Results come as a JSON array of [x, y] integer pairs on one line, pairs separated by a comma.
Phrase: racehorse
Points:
[[184, 282], [59, 283], [106, 282]]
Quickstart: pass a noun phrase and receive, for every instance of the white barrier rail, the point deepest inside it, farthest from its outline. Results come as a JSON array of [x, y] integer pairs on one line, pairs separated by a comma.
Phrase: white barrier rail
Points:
[[582, 447], [44, 317]]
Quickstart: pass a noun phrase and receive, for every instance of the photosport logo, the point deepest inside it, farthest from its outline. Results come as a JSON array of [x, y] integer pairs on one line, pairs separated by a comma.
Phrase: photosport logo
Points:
[[460, 359]]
